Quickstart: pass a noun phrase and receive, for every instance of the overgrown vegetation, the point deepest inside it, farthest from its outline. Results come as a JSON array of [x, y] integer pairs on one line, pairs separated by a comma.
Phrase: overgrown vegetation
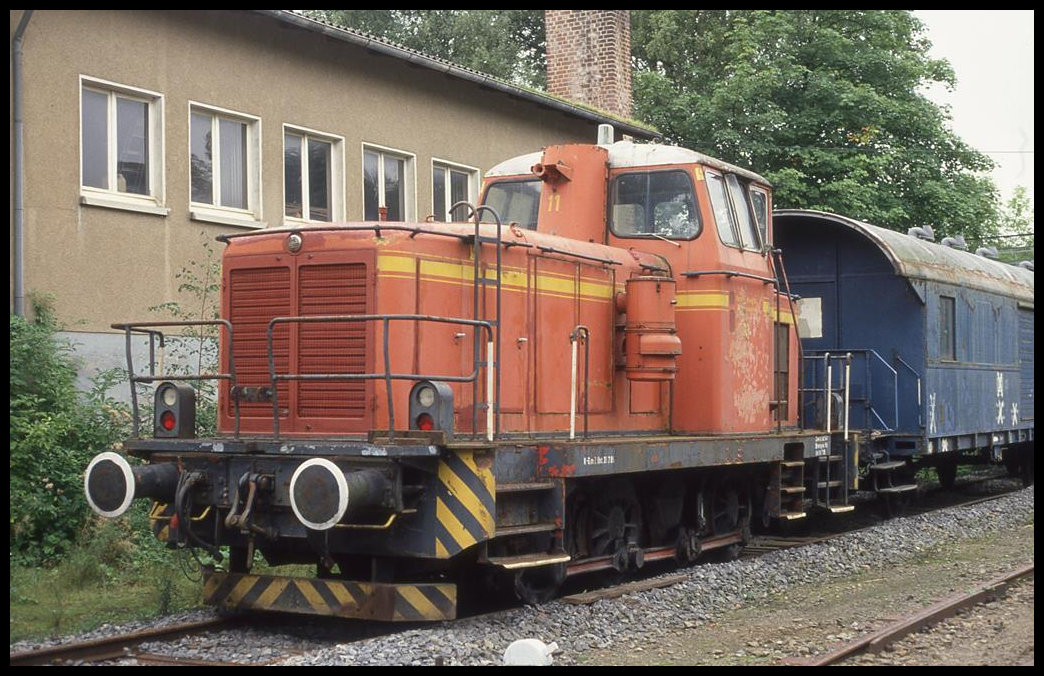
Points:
[[70, 570], [195, 352], [55, 431]]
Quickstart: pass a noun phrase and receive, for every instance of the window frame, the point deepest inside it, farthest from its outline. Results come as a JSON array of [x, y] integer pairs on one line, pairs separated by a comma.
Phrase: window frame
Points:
[[781, 372], [734, 224], [410, 179], [153, 202], [514, 180], [763, 228], [646, 236], [213, 212], [947, 349], [473, 184], [337, 178]]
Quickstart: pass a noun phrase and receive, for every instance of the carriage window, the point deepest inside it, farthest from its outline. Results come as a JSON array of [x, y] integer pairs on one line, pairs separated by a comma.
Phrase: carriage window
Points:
[[947, 328], [515, 201], [654, 203]]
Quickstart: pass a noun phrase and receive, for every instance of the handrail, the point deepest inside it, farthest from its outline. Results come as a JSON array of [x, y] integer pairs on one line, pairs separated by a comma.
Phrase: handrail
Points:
[[376, 227], [731, 273], [870, 411], [473, 212], [573, 338], [387, 375], [140, 327], [920, 416]]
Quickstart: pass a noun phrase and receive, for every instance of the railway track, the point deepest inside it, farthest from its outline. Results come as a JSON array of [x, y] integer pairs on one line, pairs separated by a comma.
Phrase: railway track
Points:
[[122, 647], [760, 545], [115, 647], [878, 641]]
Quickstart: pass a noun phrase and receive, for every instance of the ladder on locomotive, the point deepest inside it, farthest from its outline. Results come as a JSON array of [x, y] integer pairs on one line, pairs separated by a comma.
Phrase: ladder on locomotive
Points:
[[479, 300]]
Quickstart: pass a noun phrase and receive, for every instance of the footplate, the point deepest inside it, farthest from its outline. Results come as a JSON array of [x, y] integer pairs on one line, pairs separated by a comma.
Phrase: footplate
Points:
[[339, 598]]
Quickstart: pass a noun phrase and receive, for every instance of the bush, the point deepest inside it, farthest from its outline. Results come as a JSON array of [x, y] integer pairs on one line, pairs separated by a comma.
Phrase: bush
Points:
[[55, 431]]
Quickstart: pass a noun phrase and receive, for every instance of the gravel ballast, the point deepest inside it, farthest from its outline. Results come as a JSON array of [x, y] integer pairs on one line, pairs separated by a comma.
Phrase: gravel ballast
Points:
[[710, 590]]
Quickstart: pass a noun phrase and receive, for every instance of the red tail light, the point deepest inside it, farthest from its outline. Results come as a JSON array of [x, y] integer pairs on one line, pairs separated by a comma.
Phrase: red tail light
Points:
[[425, 422], [167, 420]]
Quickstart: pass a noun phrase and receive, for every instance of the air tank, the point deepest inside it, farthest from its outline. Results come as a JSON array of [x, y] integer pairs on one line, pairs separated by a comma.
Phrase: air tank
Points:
[[650, 333]]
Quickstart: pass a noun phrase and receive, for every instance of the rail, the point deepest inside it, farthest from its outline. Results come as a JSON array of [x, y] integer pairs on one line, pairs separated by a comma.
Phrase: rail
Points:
[[387, 375], [148, 329]]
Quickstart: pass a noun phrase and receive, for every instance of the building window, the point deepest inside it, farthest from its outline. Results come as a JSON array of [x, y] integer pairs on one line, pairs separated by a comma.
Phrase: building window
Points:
[[225, 166], [387, 185], [947, 328], [121, 146], [735, 221], [451, 184], [658, 203], [313, 167]]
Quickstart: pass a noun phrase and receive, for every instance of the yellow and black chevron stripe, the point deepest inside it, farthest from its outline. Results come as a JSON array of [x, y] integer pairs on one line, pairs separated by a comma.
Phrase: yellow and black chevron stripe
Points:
[[465, 508], [339, 598]]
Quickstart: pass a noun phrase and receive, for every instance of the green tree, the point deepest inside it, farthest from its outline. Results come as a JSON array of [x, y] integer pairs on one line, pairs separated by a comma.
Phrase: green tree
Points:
[[1014, 239], [506, 43], [826, 104]]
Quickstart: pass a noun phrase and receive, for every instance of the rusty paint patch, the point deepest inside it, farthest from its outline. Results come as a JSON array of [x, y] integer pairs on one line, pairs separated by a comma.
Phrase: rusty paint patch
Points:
[[483, 459], [542, 455], [748, 351], [563, 471]]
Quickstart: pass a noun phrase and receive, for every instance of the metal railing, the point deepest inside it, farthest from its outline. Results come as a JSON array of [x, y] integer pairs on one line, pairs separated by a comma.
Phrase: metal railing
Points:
[[147, 328], [387, 376], [821, 363]]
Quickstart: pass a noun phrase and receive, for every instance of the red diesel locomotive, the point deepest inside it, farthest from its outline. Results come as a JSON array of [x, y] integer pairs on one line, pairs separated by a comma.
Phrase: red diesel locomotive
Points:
[[600, 371]]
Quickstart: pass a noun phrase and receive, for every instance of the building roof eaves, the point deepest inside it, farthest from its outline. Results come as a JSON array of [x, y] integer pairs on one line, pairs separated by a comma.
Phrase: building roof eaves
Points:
[[416, 58]]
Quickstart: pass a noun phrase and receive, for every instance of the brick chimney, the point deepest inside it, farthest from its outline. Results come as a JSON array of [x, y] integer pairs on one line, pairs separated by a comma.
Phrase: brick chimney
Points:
[[589, 57]]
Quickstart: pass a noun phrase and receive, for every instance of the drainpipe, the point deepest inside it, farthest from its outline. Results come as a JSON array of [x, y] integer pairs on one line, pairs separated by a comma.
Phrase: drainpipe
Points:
[[19, 160]]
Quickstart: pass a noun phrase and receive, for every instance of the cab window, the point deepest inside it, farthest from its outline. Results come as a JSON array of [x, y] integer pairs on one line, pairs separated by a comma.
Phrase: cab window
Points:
[[759, 200], [654, 203], [736, 222], [515, 201]]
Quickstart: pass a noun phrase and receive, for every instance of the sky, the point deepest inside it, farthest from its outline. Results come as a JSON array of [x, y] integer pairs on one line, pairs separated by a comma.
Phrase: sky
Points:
[[991, 52]]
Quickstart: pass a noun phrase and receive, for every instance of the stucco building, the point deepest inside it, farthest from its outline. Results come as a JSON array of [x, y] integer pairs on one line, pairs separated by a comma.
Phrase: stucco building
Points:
[[138, 136]]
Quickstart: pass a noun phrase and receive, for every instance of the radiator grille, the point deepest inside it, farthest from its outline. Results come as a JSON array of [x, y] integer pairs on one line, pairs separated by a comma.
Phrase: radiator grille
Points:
[[258, 295], [334, 347]]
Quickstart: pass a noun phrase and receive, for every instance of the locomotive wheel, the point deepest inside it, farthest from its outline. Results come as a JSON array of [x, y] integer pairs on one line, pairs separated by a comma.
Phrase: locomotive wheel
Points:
[[894, 504], [1026, 468], [536, 586], [614, 522], [729, 513], [947, 473]]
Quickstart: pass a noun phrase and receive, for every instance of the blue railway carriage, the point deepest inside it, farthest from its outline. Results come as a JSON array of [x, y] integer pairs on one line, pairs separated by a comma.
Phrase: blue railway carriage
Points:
[[922, 350]]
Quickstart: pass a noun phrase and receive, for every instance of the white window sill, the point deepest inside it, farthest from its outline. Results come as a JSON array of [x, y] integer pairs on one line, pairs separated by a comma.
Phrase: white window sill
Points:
[[239, 221], [114, 201]]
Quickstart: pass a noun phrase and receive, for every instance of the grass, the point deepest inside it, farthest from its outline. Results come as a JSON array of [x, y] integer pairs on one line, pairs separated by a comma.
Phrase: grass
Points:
[[116, 573], [48, 602]]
